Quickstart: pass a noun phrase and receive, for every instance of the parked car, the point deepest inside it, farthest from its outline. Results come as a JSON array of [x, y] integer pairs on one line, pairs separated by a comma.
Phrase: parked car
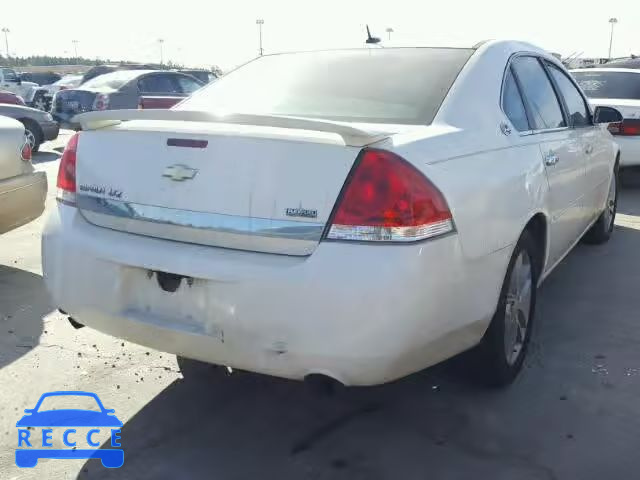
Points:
[[11, 98], [40, 78], [11, 81], [43, 96], [22, 190], [39, 126], [120, 90], [618, 88], [323, 223]]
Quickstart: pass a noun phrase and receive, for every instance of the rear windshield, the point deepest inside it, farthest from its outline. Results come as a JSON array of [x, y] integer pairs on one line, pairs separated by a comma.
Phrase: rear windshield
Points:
[[609, 84], [113, 80], [381, 85]]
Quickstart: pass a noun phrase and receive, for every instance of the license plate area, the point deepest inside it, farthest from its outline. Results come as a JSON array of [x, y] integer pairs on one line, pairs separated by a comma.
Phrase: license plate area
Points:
[[71, 105], [170, 301]]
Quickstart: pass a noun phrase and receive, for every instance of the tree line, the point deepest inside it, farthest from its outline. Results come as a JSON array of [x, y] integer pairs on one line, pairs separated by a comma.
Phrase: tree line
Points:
[[47, 60]]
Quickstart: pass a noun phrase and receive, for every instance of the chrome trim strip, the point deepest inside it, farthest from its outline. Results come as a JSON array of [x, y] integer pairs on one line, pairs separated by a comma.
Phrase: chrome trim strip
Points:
[[232, 224]]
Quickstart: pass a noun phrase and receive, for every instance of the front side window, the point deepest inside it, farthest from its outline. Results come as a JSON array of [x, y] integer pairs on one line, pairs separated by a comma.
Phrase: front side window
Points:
[[576, 106], [539, 94], [512, 103]]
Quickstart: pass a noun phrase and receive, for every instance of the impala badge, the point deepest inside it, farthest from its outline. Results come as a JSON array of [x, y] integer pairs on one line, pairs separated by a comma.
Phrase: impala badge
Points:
[[179, 173], [301, 212]]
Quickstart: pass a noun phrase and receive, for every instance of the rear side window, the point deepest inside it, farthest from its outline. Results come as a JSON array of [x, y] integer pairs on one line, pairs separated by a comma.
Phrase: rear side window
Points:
[[576, 106], [538, 93], [381, 85], [158, 84], [512, 103]]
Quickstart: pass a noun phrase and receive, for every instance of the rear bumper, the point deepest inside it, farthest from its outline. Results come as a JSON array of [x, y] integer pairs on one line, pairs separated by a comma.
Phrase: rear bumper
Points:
[[64, 119], [363, 314], [629, 150], [21, 199], [50, 130]]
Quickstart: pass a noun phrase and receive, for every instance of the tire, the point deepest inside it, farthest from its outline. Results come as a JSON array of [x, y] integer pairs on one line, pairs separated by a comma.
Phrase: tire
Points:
[[601, 231], [32, 134], [499, 357]]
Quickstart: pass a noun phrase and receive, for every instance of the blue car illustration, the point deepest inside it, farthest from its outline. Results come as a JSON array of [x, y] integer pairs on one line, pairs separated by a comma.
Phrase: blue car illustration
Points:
[[28, 457]]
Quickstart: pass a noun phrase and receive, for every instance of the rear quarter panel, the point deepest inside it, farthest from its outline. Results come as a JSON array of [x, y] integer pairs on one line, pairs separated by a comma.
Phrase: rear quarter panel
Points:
[[494, 181], [492, 193], [11, 141]]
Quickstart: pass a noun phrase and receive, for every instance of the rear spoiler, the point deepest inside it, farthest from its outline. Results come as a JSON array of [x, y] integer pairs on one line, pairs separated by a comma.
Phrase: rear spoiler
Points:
[[351, 136]]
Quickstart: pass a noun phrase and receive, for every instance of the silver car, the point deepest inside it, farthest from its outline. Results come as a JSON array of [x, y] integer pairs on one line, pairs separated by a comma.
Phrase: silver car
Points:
[[22, 190], [39, 126]]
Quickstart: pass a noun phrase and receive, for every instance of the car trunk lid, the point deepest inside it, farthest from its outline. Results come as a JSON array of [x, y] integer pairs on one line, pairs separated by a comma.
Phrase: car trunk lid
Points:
[[629, 108], [236, 185], [73, 101]]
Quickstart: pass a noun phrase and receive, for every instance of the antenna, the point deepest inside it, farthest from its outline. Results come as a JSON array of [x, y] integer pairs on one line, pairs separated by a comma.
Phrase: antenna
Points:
[[370, 39]]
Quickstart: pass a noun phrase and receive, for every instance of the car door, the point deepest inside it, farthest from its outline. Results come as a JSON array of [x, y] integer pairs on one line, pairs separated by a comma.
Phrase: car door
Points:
[[561, 154], [595, 144]]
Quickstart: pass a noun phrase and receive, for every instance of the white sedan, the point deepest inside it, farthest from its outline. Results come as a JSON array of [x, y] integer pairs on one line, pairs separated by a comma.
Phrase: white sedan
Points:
[[358, 214], [618, 88]]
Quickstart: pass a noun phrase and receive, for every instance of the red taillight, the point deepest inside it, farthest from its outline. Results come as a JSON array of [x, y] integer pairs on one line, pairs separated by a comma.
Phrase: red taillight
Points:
[[67, 169], [26, 153], [627, 127], [101, 102], [388, 199]]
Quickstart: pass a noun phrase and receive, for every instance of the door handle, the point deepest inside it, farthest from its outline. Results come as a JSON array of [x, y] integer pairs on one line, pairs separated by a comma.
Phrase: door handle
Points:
[[588, 150], [550, 159]]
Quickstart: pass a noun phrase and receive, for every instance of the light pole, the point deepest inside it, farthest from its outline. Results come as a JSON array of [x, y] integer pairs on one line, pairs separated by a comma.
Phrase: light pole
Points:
[[75, 47], [260, 22], [5, 30], [160, 42], [613, 22], [389, 32]]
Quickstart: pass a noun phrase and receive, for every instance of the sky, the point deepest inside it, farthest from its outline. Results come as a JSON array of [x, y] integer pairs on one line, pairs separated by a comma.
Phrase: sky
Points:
[[204, 33]]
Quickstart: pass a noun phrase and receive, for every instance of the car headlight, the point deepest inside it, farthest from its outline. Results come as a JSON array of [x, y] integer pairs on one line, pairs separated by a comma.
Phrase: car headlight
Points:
[[48, 117]]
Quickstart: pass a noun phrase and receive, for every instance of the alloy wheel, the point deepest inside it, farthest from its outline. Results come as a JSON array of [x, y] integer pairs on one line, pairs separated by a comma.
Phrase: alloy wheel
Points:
[[518, 307]]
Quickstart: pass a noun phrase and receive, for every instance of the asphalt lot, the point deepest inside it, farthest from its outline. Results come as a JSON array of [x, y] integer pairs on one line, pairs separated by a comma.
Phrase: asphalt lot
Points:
[[573, 414]]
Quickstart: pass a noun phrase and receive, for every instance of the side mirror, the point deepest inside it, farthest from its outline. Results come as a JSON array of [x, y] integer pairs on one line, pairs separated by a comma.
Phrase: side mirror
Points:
[[606, 115], [28, 410]]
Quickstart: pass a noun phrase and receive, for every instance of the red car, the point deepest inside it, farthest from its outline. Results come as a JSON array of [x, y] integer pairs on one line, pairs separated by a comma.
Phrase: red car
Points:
[[11, 98]]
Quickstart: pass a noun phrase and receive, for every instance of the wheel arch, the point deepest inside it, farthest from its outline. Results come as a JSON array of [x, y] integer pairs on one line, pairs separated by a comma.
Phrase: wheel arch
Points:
[[537, 226], [26, 121]]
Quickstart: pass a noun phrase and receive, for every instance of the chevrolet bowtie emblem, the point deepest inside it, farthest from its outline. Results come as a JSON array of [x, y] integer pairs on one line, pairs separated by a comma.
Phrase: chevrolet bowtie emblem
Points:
[[178, 173]]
